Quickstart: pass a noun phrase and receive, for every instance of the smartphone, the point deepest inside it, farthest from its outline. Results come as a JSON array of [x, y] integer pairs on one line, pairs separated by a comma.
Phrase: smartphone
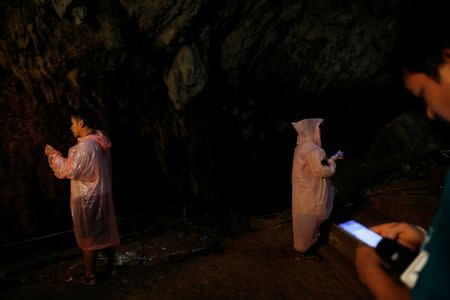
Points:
[[339, 154], [361, 232]]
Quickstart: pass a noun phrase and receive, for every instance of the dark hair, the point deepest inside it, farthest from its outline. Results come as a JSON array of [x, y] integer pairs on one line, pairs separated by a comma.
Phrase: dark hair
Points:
[[88, 116], [424, 34]]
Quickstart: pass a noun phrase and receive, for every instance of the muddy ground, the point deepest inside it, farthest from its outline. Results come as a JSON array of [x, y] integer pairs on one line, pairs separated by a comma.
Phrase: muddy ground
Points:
[[257, 264], [253, 261]]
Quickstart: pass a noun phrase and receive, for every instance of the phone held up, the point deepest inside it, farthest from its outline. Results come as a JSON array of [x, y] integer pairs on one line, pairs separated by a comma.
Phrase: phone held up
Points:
[[337, 155]]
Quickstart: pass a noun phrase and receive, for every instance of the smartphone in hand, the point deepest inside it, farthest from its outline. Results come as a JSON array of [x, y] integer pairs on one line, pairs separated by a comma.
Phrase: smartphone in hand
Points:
[[396, 256], [339, 155], [361, 233]]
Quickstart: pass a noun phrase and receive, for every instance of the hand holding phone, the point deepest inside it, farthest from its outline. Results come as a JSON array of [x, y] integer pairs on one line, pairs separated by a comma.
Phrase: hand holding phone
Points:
[[338, 155], [406, 234], [396, 256]]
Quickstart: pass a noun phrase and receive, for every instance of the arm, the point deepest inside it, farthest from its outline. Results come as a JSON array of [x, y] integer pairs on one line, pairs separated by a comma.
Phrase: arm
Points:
[[371, 273], [314, 159], [369, 264], [70, 167], [61, 166]]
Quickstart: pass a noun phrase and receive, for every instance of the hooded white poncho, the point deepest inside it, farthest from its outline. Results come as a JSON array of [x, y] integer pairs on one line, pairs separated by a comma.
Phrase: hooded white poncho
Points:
[[312, 191]]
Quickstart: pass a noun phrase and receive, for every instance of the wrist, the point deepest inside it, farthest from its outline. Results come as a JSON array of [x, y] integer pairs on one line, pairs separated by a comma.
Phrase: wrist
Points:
[[423, 231]]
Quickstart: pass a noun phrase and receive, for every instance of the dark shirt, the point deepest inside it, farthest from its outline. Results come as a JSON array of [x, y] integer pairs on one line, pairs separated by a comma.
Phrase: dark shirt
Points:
[[434, 279]]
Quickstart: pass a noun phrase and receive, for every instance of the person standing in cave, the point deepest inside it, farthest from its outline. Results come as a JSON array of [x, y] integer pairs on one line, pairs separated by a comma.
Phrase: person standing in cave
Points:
[[312, 191], [425, 64], [88, 166]]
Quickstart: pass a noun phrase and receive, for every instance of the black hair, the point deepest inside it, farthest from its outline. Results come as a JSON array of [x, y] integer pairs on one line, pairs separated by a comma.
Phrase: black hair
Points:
[[424, 34], [321, 125], [88, 116]]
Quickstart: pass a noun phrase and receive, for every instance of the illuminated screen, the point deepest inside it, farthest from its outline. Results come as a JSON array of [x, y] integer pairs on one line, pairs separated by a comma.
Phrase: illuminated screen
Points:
[[361, 232]]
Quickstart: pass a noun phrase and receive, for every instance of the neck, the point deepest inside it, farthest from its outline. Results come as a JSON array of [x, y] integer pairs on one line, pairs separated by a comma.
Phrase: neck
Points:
[[86, 131]]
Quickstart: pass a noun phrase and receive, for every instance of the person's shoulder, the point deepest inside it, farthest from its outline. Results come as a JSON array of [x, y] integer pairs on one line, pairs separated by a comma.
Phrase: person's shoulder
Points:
[[310, 148], [88, 145]]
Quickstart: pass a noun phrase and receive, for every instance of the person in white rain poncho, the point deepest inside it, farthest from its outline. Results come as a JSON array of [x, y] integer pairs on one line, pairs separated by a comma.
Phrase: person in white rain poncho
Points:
[[312, 191], [88, 166]]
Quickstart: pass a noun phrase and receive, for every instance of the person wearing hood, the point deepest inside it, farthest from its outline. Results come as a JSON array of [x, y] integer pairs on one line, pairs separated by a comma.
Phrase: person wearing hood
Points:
[[88, 166], [312, 191]]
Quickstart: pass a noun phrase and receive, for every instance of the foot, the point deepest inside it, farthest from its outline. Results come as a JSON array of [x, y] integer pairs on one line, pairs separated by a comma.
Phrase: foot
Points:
[[114, 273], [111, 272], [88, 280], [308, 257]]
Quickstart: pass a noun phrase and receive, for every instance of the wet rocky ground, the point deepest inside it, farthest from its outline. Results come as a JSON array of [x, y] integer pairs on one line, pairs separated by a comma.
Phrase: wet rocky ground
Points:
[[257, 264], [254, 262]]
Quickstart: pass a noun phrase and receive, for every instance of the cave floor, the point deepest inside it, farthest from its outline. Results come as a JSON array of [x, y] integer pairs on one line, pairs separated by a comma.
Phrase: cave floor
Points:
[[257, 263]]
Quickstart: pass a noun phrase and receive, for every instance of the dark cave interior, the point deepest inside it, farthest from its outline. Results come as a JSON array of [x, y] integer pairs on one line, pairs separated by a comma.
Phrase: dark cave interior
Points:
[[198, 98]]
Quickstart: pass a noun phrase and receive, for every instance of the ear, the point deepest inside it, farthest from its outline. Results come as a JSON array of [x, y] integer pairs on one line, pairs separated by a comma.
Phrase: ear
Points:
[[446, 55], [81, 123]]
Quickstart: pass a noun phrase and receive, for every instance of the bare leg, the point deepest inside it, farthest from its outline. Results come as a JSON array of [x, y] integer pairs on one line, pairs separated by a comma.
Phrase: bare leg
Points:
[[111, 255], [89, 258]]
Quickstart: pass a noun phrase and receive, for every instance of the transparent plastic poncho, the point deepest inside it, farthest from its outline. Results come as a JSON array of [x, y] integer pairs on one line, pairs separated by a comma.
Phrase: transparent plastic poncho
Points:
[[88, 166], [312, 191]]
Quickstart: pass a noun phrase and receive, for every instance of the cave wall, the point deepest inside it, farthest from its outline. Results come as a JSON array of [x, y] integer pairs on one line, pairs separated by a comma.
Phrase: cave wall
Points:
[[196, 95]]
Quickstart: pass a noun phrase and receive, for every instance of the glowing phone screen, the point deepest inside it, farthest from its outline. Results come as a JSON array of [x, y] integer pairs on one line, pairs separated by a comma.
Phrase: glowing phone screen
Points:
[[361, 232]]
